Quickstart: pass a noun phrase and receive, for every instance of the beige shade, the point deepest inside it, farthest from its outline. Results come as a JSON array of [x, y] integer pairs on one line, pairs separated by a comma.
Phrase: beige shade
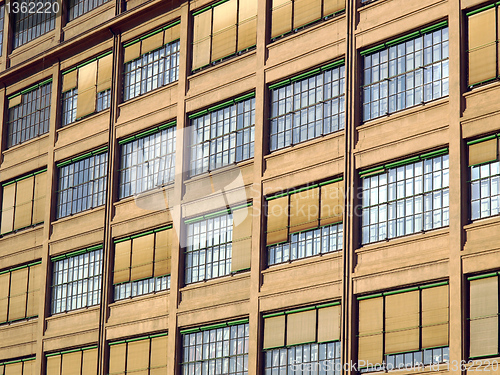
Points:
[[304, 210], [159, 347], [224, 30], [151, 43], [402, 341], [132, 52], [54, 365], [401, 325], [121, 272], [435, 317], [8, 201], [435, 336], [104, 73], [14, 369], [142, 257], [329, 324], [483, 152], [72, 363], [371, 316], [370, 349], [117, 357], [89, 366], [163, 252], [17, 296], [202, 30], [483, 297], [242, 239], [301, 327], [281, 17], [86, 100], [69, 80], [15, 101], [172, 33], [484, 337], [4, 296], [34, 282], [277, 220], [332, 6], [274, 332], [39, 198], [138, 357], [247, 33], [306, 11], [24, 203], [482, 64], [332, 203], [482, 28], [29, 368]]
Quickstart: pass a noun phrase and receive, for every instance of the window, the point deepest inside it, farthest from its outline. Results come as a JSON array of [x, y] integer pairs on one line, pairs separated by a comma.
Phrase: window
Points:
[[142, 263], [216, 349], [82, 361], [141, 355], [290, 15], [483, 42], [483, 316], [31, 25], [23, 202], [78, 8], [151, 61], [86, 89], [223, 135], [218, 244], [406, 197], [305, 222], [223, 30], [24, 366], [298, 341], [147, 160], [2, 19], [391, 337], [406, 72], [29, 113], [20, 293], [308, 106], [76, 279], [484, 167], [82, 183]]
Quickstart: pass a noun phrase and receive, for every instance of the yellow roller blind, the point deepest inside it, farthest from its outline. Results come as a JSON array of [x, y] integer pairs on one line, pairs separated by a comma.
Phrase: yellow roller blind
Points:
[[281, 17], [14, 369], [329, 324], [247, 24], [172, 33], [8, 202], [482, 46], [29, 367], [87, 79], [39, 198], [306, 11], [483, 297], [332, 203], [24, 202], [72, 363], [242, 239], [104, 73], [132, 52], [274, 332], [34, 282], [18, 289], [15, 101], [483, 152], [371, 326], [121, 271], [138, 357], [301, 327], [484, 337], [69, 80], [163, 252], [142, 257], [151, 43], [4, 296], [435, 317], [224, 30], [370, 349], [201, 39], [89, 366], [54, 365], [332, 6], [277, 220], [159, 355], [117, 357], [304, 210], [401, 325]]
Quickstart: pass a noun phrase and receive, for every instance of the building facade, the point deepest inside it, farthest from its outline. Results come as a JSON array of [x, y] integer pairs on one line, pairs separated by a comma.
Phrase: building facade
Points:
[[249, 187]]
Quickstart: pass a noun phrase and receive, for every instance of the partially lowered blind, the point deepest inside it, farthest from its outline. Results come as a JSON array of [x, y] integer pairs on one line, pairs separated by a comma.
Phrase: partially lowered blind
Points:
[[224, 29], [242, 239], [483, 152], [435, 317], [304, 210], [402, 325], [371, 328], [274, 332], [277, 220], [301, 327]]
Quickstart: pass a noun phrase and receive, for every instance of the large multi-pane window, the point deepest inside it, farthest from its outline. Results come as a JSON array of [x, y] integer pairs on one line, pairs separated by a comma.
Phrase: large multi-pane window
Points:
[[216, 350], [484, 168], [308, 106], [142, 263], [406, 197], [82, 183], [19, 292], [32, 19], [218, 244], [147, 160], [290, 15], [29, 113], [297, 341], [222, 30], [86, 89], [76, 280], [151, 61], [78, 8], [18, 366], [222, 135], [405, 72], [391, 337], [81, 361]]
